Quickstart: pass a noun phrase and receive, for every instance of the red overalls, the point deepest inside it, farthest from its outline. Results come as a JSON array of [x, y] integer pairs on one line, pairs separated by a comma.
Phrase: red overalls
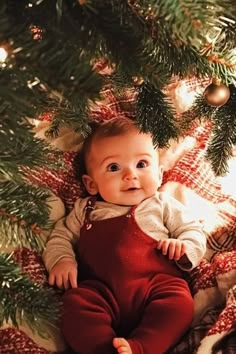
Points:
[[127, 288]]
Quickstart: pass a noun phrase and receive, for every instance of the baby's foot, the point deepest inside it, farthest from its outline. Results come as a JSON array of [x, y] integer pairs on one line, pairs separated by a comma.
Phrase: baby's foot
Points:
[[122, 346]]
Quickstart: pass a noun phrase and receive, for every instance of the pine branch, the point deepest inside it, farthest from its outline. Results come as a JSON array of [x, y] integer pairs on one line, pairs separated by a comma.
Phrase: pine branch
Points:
[[200, 110], [224, 68], [121, 33], [186, 20], [19, 234], [23, 215], [24, 301], [75, 116], [152, 52], [16, 198], [155, 115], [19, 148], [32, 73], [227, 38], [17, 97], [220, 148]]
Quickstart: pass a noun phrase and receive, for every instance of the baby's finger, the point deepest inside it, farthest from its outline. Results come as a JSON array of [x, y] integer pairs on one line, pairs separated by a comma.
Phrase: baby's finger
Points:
[[159, 244], [178, 248], [59, 281], [66, 283], [51, 279], [73, 280], [164, 247], [171, 250]]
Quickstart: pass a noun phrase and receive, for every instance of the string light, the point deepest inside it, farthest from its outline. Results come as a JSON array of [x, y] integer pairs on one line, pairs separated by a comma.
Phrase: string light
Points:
[[31, 84], [3, 55], [36, 32]]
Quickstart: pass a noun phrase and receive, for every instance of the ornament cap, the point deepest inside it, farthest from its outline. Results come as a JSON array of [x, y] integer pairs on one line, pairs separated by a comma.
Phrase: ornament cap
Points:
[[216, 81]]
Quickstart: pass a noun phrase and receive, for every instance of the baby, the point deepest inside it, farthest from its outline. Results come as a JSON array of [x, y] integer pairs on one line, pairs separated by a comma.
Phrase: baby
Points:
[[128, 245]]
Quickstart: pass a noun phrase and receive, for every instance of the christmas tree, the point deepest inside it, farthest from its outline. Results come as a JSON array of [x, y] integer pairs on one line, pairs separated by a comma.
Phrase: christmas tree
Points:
[[50, 52]]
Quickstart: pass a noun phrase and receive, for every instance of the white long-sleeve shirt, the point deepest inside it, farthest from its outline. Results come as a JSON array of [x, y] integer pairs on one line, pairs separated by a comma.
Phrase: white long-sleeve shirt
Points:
[[160, 216]]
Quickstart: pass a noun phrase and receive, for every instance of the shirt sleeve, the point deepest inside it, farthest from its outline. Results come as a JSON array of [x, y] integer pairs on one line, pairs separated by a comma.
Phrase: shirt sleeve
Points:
[[182, 226], [64, 236]]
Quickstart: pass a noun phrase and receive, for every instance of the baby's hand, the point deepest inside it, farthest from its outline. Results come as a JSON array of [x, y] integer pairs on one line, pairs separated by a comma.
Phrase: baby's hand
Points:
[[173, 247], [64, 274]]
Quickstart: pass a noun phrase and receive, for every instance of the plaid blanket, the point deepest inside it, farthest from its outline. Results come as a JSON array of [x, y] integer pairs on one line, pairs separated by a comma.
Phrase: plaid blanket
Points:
[[213, 282]]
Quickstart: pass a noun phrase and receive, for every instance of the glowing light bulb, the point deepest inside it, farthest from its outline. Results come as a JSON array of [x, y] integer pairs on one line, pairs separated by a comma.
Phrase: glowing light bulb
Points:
[[3, 55]]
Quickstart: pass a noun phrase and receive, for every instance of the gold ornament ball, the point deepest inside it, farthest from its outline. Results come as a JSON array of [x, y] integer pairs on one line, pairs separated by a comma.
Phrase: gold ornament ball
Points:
[[217, 95]]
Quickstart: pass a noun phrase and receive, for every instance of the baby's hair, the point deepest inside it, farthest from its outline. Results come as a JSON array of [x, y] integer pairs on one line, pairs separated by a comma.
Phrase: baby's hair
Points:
[[113, 127]]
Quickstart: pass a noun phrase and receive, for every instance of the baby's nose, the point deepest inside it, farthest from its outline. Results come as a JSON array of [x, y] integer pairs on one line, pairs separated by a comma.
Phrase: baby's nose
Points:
[[129, 174]]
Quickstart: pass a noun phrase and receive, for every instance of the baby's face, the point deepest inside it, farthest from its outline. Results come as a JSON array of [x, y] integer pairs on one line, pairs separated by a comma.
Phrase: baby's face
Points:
[[123, 169]]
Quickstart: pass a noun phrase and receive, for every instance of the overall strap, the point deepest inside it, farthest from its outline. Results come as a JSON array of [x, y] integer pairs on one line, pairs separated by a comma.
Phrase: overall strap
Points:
[[90, 205]]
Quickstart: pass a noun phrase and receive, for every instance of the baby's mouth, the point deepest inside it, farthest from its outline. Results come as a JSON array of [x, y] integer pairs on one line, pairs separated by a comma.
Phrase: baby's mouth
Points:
[[132, 189]]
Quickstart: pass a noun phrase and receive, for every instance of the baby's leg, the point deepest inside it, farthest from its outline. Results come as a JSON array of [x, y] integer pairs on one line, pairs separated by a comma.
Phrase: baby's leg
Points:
[[167, 316], [89, 316]]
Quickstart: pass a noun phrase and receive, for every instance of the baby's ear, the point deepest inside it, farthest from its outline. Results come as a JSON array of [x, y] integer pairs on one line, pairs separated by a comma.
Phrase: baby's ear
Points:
[[90, 185]]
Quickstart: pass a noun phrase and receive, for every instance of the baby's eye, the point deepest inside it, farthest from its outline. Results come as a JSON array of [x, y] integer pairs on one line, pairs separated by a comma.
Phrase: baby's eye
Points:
[[142, 164], [113, 167]]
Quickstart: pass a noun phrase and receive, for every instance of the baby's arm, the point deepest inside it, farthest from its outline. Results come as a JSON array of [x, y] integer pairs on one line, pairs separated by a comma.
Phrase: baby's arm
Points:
[[184, 231], [59, 256]]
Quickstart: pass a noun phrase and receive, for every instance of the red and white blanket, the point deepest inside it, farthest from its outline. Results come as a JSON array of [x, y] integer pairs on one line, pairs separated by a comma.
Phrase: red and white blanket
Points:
[[189, 178]]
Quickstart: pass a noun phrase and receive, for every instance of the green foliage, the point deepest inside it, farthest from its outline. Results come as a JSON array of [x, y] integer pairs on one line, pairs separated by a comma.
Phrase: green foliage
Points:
[[153, 109], [223, 136], [19, 234], [53, 48], [25, 301], [23, 213], [20, 148]]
